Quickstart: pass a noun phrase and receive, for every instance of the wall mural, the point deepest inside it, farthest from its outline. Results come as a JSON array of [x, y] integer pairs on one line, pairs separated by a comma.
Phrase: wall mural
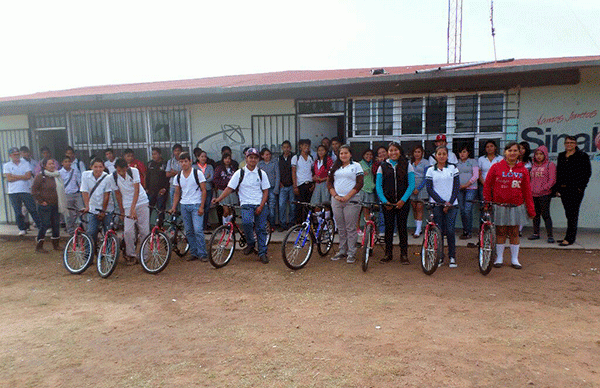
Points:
[[230, 135]]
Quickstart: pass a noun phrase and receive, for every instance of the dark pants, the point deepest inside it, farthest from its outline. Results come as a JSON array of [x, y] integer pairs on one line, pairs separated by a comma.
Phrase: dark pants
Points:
[[304, 196], [19, 199], [447, 222], [209, 195], [542, 210], [571, 200], [398, 217], [158, 201], [50, 220]]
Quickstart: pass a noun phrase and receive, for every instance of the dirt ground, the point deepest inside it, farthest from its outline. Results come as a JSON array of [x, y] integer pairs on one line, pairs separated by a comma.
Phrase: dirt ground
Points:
[[328, 325]]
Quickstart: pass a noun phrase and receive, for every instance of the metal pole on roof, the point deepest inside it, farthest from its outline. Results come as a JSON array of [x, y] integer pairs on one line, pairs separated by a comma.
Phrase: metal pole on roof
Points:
[[493, 29], [454, 31]]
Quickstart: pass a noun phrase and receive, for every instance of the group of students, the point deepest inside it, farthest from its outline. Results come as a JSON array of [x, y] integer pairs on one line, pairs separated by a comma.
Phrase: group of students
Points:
[[265, 188]]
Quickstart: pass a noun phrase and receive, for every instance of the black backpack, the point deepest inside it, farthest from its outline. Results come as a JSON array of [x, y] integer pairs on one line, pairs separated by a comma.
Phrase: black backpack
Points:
[[116, 176], [242, 173], [195, 172]]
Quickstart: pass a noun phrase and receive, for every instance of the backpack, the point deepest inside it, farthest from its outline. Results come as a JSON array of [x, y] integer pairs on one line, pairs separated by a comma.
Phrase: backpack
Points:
[[116, 175], [242, 173], [195, 172]]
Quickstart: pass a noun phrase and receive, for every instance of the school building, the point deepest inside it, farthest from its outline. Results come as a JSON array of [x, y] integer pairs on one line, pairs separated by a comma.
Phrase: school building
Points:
[[536, 100]]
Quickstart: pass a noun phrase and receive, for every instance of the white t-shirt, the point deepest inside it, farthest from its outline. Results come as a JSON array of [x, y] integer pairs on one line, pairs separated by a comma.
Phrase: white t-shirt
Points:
[[191, 193], [20, 186], [251, 189], [126, 187], [73, 177], [443, 181], [451, 159], [303, 168], [484, 164], [88, 181], [110, 166], [344, 178]]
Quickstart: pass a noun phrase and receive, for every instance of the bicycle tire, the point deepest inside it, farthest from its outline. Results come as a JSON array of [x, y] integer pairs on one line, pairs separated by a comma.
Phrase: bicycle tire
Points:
[[107, 261], [431, 250], [267, 241], [78, 254], [221, 242], [179, 242], [368, 249], [487, 247], [326, 236], [290, 250], [155, 252]]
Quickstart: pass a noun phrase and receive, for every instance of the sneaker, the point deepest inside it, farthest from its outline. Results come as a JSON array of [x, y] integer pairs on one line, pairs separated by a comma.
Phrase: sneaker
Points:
[[350, 260], [404, 260], [452, 263], [204, 259], [386, 259], [381, 234], [550, 240], [248, 250], [360, 232], [264, 259], [534, 237], [498, 264], [22, 232], [192, 258], [417, 235], [338, 256], [441, 262], [280, 229]]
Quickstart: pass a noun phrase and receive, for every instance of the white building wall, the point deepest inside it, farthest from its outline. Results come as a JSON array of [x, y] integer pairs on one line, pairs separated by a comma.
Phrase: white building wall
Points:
[[230, 123], [547, 114]]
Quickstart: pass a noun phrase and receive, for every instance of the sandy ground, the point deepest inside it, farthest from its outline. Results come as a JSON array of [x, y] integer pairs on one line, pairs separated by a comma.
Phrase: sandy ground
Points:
[[328, 325]]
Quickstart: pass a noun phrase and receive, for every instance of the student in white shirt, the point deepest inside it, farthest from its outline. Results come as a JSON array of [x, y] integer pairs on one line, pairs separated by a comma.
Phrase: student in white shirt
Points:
[[18, 173], [486, 162], [77, 164], [440, 141], [95, 190], [302, 177], [72, 181], [253, 191], [190, 191], [344, 183], [109, 154], [133, 203]]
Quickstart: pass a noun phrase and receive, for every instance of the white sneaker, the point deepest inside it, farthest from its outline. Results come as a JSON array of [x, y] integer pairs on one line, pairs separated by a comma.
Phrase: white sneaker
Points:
[[22, 232], [381, 234], [452, 263], [360, 232], [338, 256], [350, 259]]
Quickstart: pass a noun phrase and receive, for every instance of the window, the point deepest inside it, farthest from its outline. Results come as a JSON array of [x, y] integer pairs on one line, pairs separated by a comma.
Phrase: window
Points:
[[435, 115], [168, 125], [491, 112], [269, 131], [78, 126], [465, 114], [412, 116], [373, 117], [58, 120], [320, 106]]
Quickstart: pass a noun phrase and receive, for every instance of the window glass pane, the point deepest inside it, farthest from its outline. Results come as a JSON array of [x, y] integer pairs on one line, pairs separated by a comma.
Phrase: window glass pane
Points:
[[465, 113], [137, 127], [325, 106], [491, 112], [159, 124], [435, 115], [179, 132], [412, 116], [97, 128], [385, 116], [362, 117], [118, 127], [79, 127]]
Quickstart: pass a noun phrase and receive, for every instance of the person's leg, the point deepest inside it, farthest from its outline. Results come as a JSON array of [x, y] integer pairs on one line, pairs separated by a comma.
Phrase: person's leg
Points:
[[462, 196], [283, 201], [470, 196], [439, 219], [129, 237], [55, 221], [572, 203], [260, 222], [545, 210], [209, 194], [92, 229], [501, 232], [198, 230], [271, 209], [388, 217], [190, 234], [15, 201], [29, 203], [72, 217], [248, 224], [537, 203], [513, 233], [338, 216], [351, 215], [401, 222], [450, 231], [45, 224], [143, 222]]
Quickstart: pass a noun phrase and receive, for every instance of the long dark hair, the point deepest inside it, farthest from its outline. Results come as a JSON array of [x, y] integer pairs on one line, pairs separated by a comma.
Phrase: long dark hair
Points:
[[326, 157], [527, 154], [412, 154], [338, 162]]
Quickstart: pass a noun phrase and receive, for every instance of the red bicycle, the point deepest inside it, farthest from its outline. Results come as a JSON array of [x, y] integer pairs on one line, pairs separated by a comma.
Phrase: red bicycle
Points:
[[155, 252], [79, 251], [370, 234], [108, 253]]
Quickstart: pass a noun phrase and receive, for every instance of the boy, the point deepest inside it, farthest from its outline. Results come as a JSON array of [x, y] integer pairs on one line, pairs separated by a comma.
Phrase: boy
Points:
[[157, 183], [134, 163], [286, 186], [253, 191], [72, 181], [18, 173], [77, 164], [95, 190], [109, 164], [302, 165]]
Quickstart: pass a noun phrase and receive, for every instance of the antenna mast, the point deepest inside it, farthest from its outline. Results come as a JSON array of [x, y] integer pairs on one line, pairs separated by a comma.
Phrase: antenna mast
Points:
[[453, 54], [493, 29]]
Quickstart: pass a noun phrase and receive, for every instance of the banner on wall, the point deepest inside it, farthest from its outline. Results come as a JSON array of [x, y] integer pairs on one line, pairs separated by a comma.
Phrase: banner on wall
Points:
[[550, 129]]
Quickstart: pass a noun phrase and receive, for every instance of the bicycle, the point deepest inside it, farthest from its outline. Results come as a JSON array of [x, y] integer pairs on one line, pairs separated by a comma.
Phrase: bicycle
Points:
[[432, 250], [370, 233], [79, 250], [176, 233], [303, 236], [156, 248], [108, 253], [222, 241]]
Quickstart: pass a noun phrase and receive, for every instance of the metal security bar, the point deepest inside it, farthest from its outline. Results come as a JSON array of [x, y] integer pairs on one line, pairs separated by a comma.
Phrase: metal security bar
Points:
[[271, 130]]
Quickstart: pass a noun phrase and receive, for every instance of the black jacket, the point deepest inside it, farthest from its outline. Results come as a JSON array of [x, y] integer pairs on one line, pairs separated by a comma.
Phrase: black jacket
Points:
[[156, 177], [573, 172], [285, 170], [394, 180]]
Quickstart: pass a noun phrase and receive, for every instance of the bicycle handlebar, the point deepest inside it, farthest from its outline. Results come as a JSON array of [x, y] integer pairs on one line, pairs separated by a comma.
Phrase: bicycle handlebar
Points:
[[113, 213], [177, 214], [492, 203]]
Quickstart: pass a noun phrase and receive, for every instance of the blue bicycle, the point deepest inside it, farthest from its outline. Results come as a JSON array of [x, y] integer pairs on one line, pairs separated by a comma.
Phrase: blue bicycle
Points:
[[298, 242]]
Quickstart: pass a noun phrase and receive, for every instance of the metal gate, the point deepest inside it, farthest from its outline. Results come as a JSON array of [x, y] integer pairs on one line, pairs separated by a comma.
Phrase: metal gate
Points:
[[269, 131], [8, 139]]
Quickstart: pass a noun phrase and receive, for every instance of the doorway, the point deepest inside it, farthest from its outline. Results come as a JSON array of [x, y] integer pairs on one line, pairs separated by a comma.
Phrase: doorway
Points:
[[316, 127], [55, 139]]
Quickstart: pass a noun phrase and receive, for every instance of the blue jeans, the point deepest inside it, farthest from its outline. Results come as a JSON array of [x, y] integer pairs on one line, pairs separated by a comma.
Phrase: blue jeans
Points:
[[93, 226], [18, 199], [209, 195], [50, 220], [286, 196], [252, 222], [466, 208], [446, 222], [272, 207], [194, 229]]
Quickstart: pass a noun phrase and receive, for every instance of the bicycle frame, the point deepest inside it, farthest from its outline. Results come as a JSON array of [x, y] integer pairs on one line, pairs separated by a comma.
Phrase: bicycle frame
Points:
[[308, 222]]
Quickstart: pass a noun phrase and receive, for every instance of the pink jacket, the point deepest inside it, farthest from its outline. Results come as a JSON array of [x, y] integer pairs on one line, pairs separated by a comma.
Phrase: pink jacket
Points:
[[543, 175]]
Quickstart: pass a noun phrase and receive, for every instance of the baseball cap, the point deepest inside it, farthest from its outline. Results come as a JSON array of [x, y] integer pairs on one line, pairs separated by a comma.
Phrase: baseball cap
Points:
[[440, 137], [252, 151], [13, 150]]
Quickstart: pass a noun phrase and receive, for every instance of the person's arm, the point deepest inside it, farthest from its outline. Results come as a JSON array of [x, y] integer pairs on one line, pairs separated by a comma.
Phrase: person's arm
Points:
[[475, 175], [488, 184], [527, 196], [36, 189], [410, 188], [13, 178], [480, 165], [265, 198], [146, 179], [86, 201], [170, 170], [295, 181], [430, 190], [136, 195], [120, 202], [551, 177], [587, 170], [176, 198], [228, 190], [277, 179], [455, 189], [379, 186], [203, 201]]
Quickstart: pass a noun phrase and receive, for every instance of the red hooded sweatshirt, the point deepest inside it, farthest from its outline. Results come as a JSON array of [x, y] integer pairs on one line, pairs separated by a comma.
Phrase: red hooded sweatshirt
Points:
[[543, 175], [509, 185]]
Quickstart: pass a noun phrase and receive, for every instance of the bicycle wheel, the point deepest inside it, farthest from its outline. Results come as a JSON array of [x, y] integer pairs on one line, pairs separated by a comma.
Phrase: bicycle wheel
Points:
[[487, 247], [179, 242], [325, 239], [77, 255], [155, 252], [368, 247], [268, 229], [108, 254], [221, 246], [432, 249], [297, 247]]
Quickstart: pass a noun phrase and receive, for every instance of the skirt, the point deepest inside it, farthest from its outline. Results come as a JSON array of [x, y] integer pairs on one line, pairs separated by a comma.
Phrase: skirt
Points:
[[367, 197], [510, 216], [421, 196], [320, 194], [231, 199]]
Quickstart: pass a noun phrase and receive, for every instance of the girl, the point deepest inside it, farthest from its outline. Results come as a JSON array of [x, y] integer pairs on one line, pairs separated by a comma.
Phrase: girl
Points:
[[443, 183], [525, 158], [543, 177], [209, 173], [468, 171], [49, 192], [223, 174], [344, 182], [367, 194], [486, 162], [271, 167], [507, 182], [420, 165], [382, 155], [395, 183], [320, 172]]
